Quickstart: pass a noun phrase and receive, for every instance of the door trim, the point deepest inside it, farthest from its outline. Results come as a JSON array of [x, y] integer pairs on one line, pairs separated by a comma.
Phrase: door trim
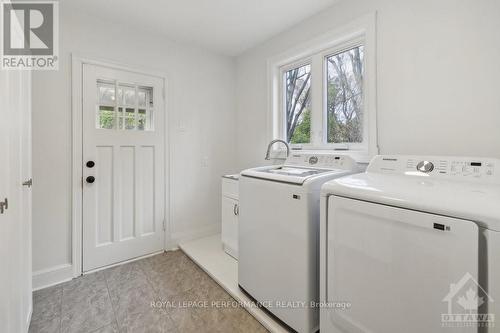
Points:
[[77, 62]]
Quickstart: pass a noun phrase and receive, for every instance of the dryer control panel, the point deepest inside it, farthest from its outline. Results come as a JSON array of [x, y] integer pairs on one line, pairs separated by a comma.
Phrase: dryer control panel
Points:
[[321, 161], [478, 169]]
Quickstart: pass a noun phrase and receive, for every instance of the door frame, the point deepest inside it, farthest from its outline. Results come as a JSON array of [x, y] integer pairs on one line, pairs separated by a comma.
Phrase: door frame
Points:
[[77, 62]]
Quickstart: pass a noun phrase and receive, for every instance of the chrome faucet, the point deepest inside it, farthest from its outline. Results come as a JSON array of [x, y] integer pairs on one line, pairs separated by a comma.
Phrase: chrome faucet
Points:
[[268, 153]]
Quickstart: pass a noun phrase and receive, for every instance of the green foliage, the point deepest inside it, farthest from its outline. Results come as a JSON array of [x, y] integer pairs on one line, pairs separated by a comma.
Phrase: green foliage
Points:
[[106, 117], [302, 132]]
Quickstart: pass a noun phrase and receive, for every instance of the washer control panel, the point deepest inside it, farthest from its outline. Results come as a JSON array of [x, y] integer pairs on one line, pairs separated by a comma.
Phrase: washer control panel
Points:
[[323, 161], [438, 167]]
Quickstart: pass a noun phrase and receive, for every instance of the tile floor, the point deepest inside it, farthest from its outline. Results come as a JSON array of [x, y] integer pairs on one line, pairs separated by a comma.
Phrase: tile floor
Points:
[[119, 299]]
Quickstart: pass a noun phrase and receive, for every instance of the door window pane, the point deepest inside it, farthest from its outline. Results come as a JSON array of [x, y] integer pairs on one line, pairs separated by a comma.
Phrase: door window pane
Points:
[[298, 104], [106, 93], [344, 107], [129, 123], [142, 97], [146, 108], [128, 94], [106, 117], [129, 118], [141, 119]]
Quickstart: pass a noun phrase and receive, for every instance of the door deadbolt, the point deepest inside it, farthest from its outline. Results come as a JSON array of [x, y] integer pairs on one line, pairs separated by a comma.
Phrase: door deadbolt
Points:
[[90, 164], [90, 179]]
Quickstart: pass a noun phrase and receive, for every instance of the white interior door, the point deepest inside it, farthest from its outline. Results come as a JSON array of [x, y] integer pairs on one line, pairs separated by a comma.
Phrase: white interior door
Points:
[[123, 165], [396, 267], [24, 183], [5, 216], [15, 201]]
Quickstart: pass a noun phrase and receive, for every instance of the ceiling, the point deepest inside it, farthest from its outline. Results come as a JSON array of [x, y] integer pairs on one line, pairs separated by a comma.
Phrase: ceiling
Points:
[[224, 26]]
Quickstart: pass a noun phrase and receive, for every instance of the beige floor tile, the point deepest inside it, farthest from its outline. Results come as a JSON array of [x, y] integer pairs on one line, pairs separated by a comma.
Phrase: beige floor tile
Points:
[[163, 293]]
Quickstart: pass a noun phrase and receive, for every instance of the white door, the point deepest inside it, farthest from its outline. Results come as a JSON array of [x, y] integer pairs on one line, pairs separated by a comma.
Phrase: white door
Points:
[[25, 180], [6, 220], [401, 270], [15, 201], [123, 165]]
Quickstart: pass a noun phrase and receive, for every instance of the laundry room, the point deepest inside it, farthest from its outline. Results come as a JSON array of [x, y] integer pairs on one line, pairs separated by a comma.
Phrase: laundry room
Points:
[[250, 166]]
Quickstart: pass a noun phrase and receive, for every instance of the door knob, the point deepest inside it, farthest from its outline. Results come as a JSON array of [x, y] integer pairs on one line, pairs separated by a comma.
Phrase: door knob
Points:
[[90, 164], [90, 179]]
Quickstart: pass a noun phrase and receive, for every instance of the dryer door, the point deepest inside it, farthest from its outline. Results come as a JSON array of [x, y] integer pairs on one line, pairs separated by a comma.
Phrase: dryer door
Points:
[[401, 270]]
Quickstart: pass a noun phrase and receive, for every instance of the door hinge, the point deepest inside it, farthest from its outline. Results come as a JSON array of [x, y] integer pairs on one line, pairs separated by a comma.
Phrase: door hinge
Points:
[[164, 225], [28, 183], [4, 205]]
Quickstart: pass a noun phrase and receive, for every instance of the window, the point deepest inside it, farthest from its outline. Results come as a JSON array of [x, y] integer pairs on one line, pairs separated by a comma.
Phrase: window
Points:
[[323, 92], [298, 104], [342, 73], [344, 96], [124, 106]]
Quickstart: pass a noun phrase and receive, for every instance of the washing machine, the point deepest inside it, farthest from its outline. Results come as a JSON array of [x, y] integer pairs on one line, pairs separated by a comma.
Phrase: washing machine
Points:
[[278, 262], [412, 245]]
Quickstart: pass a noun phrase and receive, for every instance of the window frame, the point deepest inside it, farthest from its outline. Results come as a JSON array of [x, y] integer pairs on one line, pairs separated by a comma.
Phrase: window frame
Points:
[[359, 32]]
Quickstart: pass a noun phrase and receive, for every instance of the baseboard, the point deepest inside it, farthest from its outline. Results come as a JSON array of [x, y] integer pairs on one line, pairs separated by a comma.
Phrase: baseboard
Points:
[[62, 273], [186, 236], [52, 276]]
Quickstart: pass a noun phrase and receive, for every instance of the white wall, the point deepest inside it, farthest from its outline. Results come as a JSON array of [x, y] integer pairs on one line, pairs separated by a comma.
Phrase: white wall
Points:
[[437, 94], [201, 99], [437, 76]]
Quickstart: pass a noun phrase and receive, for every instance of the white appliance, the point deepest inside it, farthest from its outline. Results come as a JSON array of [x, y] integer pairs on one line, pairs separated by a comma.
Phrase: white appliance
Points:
[[278, 234], [413, 244]]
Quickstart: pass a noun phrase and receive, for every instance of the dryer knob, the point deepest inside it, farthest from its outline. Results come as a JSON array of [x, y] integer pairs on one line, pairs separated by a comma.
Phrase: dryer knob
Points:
[[425, 166]]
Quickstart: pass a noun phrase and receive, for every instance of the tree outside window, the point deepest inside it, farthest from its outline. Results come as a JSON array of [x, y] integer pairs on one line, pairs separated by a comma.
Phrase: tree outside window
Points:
[[344, 105], [343, 75], [298, 104]]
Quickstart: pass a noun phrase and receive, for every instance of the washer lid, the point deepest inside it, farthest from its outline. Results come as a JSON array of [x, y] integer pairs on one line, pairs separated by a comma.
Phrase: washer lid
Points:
[[287, 174], [301, 166], [460, 195], [294, 171]]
